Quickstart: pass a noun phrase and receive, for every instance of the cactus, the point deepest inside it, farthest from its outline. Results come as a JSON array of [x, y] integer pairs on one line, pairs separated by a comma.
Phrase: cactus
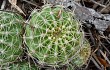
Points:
[[54, 37], [19, 66], [83, 55], [10, 40]]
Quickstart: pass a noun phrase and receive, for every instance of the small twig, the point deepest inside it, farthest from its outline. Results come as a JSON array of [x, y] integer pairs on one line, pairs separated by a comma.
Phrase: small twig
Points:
[[96, 59], [14, 5], [105, 48], [108, 5], [36, 5], [98, 3], [3, 4], [95, 63]]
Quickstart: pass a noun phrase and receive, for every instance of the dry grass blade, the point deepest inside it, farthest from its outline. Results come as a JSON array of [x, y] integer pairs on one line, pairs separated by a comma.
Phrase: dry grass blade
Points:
[[13, 3], [104, 56], [97, 60], [98, 3], [107, 8], [32, 3], [97, 65], [3, 4]]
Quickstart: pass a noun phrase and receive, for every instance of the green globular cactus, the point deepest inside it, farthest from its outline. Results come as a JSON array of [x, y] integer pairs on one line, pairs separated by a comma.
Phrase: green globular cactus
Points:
[[54, 37], [10, 40]]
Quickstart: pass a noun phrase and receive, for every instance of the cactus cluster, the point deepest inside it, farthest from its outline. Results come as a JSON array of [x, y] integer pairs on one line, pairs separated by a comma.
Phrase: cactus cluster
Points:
[[10, 40], [55, 38], [52, 36]]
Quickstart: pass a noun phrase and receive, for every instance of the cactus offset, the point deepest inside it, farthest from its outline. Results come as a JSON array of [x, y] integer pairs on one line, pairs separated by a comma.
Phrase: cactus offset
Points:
[[10, 41], [54, 37]]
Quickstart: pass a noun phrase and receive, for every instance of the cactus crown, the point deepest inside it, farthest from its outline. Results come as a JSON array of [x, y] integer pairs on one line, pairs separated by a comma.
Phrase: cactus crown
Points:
[[53, 36], [10, 41]]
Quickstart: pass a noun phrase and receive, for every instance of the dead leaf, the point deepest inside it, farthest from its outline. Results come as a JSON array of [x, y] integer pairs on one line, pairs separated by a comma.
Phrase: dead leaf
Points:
[[103, 62]]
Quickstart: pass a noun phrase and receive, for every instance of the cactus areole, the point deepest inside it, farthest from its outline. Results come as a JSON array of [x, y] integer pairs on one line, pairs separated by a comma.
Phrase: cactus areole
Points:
[[10, 41], [54, 37]]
